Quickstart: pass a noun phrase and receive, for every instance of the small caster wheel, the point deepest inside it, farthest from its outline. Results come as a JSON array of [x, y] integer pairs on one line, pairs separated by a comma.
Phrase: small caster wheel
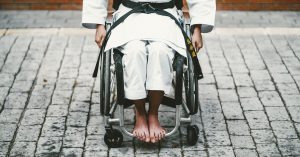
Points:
[[113, 138], [192, 134]]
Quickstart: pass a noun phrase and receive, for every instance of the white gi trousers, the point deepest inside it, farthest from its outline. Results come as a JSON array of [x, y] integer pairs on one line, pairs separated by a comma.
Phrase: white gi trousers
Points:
[[147, 65]]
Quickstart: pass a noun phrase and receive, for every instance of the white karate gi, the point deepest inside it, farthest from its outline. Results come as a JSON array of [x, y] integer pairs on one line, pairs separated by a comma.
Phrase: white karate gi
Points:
[[148, 42]]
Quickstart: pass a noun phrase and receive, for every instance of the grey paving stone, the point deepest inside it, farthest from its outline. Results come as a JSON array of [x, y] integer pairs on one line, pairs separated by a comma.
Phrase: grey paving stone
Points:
[[95, 130], [210, 92], [257, 119], [4, 148], [61, 97], [43, 90], [68, 152], [7, 132], [270, 98], [277, 113], [210, 106], [95, 110], [28, 133], [246, 92], [53, 126], [288, 88], [232, 110], [245, 152], [291, 100], [242, 142], [82, 94], [218, 138], [221, 151], [35, 54], [277, 69], [264, 85], [68, 73], [170, 152], [96, 120], [6, 80], [269, 149], [39, 101], [146, 155], [242, 80], [48, 146], [289, 147], [77, 119], [282, 78], [228, 95], [33, 117], [95, 98], [124, 151], [80, 107], [194, 153], [10, 115], [74, 137], [26, 76], [238, 68], [65, 84], [70, 62], [16, 100], [263, 136], [95, 143], [146, 148], [21, 86], [294, 111], [251, 104], [23, 149], [3, 93], [238, 127], [214, 121], [88, 153], [225, 82], [221, 71], [284, 129], [57, 110]]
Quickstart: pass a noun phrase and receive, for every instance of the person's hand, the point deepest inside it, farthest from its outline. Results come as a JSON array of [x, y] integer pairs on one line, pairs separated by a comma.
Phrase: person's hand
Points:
[[197, 38], [100, 34]]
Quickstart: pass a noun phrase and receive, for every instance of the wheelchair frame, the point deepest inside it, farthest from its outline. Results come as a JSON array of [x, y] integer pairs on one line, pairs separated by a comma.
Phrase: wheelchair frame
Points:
[[112, 95]]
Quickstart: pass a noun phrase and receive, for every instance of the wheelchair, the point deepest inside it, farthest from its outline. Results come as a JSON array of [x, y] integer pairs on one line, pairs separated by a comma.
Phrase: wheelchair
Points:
[[112, 95]]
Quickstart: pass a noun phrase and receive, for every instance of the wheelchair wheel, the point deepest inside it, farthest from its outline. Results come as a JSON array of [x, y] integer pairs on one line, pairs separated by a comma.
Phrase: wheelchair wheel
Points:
[[102, 67], [192, 134], [191, 88], [107, 84], [113, 138]]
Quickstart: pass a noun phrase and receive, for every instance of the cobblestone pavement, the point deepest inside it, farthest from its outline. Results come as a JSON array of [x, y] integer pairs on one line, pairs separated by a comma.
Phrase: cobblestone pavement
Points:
[[249, 97]]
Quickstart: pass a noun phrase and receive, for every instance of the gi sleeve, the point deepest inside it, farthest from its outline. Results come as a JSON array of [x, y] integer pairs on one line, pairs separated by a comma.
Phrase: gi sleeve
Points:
[[93, 12], [202, 12]]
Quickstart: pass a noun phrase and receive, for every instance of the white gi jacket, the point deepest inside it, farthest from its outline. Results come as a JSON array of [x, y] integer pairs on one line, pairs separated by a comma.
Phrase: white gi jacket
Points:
[[201, 12], [142, 28]]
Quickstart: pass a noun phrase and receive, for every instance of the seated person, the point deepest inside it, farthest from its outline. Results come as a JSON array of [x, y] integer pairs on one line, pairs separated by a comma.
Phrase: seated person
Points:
[[148, 42]]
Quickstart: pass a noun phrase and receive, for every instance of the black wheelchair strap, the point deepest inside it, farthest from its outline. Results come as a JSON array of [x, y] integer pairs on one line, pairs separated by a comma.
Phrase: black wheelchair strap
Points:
[[147, 8]]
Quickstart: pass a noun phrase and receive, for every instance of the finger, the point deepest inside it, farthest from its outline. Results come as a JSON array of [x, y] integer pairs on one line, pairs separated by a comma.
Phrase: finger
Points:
[[102, 39], [97, 40]]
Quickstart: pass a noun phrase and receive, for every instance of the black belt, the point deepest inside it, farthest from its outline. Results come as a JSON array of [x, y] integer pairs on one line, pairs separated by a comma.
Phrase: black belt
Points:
[[166, 5], [149, 8]]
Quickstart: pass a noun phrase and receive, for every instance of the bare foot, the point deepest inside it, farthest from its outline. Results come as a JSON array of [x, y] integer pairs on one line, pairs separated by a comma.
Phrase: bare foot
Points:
[[140, 130], [156, 131]]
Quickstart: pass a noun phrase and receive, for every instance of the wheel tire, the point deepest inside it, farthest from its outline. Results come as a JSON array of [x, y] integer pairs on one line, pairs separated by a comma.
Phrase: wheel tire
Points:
[[113, 138], [192, 134], [107, 83], [191, 87], [102, 88]]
